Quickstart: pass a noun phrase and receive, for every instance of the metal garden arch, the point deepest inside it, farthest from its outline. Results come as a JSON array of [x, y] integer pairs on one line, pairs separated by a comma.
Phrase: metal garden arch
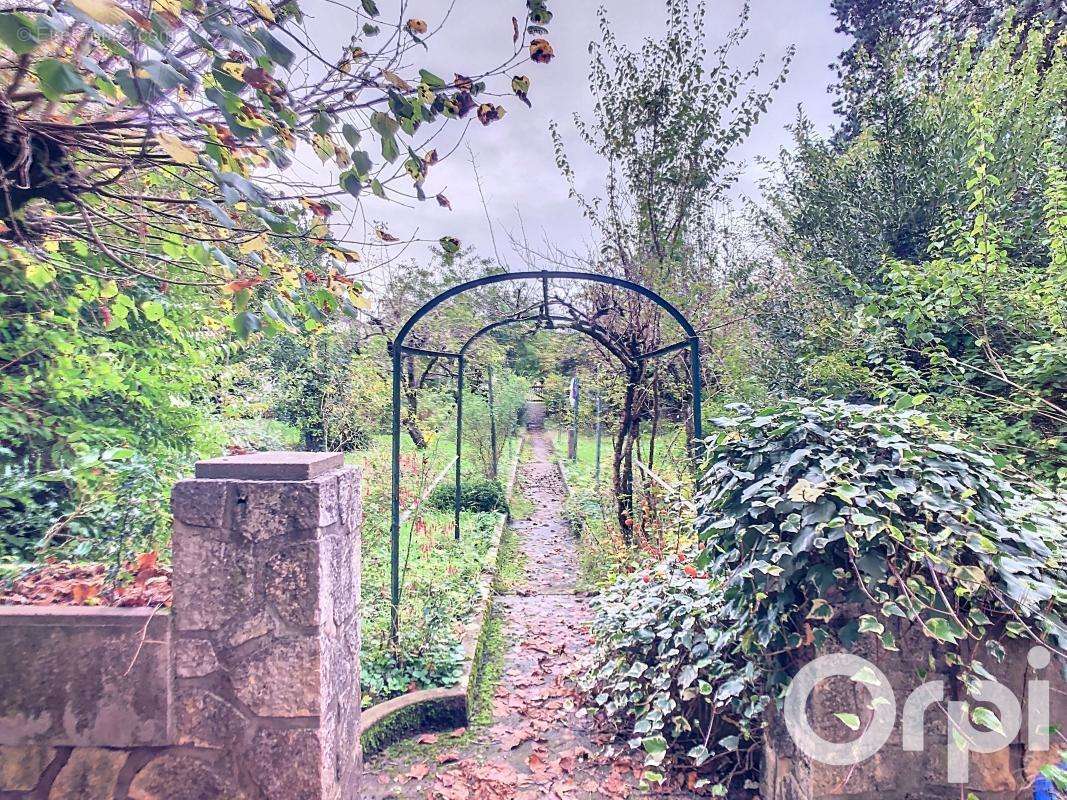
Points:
[[398, 349]]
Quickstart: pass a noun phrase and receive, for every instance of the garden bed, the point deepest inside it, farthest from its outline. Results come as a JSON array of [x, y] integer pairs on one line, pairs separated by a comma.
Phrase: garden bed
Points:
[[143, 582], [448, 704], [440, 577]]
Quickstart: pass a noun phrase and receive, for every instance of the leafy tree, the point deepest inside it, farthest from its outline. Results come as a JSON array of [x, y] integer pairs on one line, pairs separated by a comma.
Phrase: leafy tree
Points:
[[173, 124], [664, 125], [926, 259], [884, 30]]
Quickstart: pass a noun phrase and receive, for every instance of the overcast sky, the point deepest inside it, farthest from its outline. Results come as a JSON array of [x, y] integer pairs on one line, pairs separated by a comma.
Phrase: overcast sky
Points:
[[515, 156]]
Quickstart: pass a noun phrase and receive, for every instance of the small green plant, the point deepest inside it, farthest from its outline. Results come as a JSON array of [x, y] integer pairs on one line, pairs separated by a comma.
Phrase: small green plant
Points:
[[428, 655], [476, 494]]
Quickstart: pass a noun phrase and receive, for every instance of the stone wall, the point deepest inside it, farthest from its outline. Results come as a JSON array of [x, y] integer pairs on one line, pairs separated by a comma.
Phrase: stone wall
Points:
[[249, 690], [894, 773]]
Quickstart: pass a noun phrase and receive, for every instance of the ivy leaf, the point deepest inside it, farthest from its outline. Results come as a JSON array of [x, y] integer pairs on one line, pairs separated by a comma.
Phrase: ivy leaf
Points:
[[698, 754], [867, 675], [985, 717], [944, 630], [821, 610], [850, 721], [868, 624], [656, 747]]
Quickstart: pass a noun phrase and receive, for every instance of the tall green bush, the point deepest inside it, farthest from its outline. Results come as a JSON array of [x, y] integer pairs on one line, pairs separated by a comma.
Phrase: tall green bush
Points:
[[105, 396], [928, 257]]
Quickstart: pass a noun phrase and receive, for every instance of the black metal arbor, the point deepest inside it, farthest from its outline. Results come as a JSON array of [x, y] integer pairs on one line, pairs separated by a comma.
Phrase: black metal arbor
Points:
[[398, 349]]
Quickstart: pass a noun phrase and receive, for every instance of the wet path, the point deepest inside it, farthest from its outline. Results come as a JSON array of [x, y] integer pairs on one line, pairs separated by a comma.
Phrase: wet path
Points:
[[539, 745]]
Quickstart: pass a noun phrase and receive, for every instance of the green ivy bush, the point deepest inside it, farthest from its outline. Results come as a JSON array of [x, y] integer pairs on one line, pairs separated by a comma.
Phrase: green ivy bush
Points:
[[822, 523], [476, 494]]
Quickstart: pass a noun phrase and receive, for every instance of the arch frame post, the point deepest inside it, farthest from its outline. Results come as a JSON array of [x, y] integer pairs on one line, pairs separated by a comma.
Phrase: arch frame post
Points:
[[458, 501], [394, 504]]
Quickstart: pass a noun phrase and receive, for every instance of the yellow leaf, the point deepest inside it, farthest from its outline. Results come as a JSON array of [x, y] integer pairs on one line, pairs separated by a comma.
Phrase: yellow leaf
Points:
[[361, 301], [176, 148], [172, 7], [107, 12], [235, 70], [252, 245], [396, 80], [262, 10]]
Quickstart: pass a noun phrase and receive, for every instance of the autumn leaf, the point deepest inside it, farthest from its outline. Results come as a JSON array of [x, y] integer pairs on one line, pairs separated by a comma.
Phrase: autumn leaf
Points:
[[84, 593], [462, 82], [419, 771], [488, 113], [385, 236], [417, 26], [396, 80], [541, 51], [106, 12], [464, 102], [520, 84], [171, 7], [347, 256], [804, 491], [146, 567], [318, 209], [174, 147], [444, 201], [515, 30], [263, 11], [242, 284], [253, 245]]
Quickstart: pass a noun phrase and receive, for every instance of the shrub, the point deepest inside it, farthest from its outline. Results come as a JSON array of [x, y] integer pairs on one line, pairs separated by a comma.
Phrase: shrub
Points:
[[822, 522], [100, 506], [428, 656], [476, 494]]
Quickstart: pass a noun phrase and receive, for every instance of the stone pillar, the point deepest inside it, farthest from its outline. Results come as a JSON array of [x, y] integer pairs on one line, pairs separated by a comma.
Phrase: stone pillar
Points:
[[266, 628]]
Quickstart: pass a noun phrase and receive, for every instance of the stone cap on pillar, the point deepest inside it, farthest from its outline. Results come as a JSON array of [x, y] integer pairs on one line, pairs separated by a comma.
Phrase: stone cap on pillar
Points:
[[271, 465]]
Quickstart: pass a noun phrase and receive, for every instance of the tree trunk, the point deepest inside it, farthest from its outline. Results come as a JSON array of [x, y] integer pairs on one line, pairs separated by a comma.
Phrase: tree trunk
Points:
[[411, 418], [622, 458]]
